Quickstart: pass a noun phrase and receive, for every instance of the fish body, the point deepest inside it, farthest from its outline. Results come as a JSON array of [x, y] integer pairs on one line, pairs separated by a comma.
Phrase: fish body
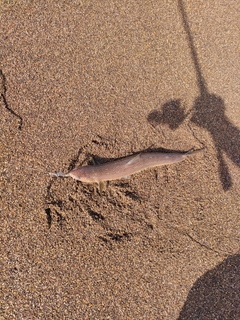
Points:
[[124, 167]]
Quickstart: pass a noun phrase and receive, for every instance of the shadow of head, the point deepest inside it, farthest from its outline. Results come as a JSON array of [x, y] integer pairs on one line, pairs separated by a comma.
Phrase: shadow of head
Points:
[[215, 295], [171, 114]]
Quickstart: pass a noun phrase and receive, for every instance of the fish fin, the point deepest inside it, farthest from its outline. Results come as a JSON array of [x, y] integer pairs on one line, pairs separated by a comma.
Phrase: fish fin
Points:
[[100, 187], [135, 159], [95, 162]]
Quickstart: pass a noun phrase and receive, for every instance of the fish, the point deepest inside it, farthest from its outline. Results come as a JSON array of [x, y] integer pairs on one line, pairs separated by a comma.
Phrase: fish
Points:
[[124, 167]]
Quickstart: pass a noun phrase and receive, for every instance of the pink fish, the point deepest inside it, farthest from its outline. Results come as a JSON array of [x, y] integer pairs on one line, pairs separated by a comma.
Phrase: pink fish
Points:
[[124, 167]]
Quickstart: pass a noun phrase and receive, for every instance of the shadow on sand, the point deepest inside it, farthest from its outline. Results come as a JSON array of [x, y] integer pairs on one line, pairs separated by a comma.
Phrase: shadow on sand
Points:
[[3, 95], [216, 294], [208, 112]]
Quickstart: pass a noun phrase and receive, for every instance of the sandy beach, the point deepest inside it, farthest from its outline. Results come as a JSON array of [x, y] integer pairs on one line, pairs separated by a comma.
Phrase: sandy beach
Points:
[[99, 80]]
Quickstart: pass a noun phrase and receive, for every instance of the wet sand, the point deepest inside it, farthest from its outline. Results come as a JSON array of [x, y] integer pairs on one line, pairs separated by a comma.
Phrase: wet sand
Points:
[[82, 80]]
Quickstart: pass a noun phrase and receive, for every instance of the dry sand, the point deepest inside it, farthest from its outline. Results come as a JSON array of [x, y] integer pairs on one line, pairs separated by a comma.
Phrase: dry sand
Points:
[[109, 78]]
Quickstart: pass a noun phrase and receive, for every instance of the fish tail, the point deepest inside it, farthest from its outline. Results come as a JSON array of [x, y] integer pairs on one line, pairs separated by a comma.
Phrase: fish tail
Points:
[[58, 174], [192, 151]]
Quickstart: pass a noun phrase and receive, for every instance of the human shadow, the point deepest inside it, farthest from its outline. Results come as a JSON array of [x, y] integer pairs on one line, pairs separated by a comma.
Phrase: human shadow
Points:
[[208, 112], [216, 294]]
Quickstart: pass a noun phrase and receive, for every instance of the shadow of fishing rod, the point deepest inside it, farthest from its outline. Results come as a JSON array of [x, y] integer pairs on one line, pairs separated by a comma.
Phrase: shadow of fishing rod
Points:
[[209, 114]]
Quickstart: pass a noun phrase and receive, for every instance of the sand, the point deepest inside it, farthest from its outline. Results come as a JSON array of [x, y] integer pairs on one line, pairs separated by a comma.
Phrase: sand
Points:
[[104, 79]]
